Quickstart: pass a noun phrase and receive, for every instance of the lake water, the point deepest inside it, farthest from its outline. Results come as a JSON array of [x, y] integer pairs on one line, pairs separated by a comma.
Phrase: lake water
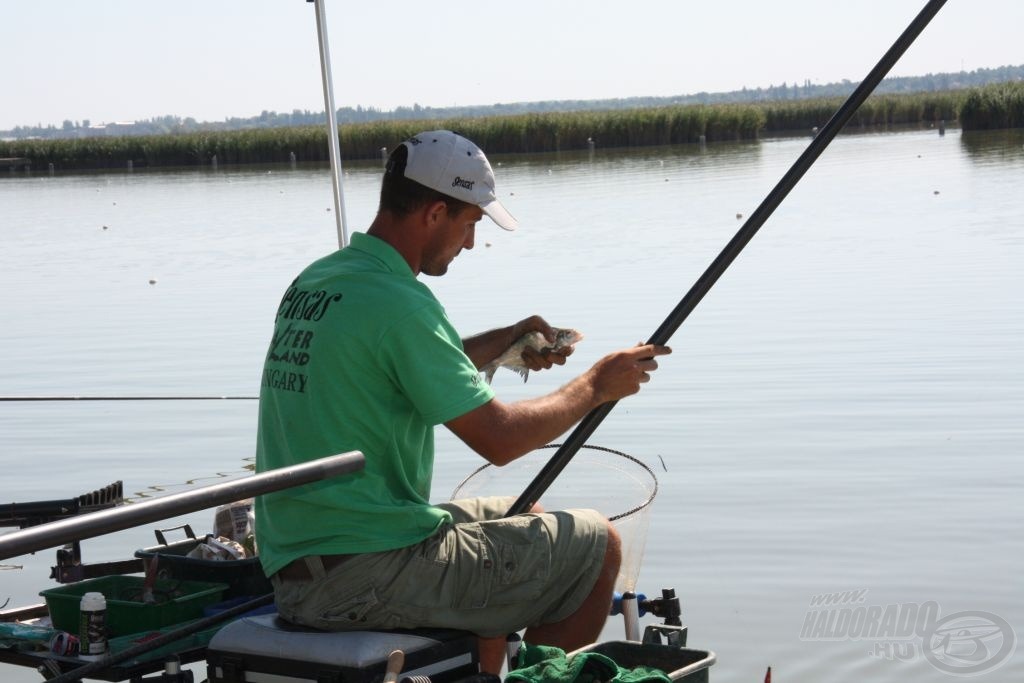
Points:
[[843, 412]]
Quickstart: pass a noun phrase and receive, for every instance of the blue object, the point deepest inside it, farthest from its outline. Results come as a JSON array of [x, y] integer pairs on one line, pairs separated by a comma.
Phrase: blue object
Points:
[[617, 604]]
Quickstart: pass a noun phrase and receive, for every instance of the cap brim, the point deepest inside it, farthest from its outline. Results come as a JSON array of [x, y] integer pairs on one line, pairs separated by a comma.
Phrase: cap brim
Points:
[[500, 215]]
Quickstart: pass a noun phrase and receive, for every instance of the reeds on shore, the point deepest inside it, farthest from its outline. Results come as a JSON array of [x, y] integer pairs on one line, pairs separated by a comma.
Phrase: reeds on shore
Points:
[[999, 105]]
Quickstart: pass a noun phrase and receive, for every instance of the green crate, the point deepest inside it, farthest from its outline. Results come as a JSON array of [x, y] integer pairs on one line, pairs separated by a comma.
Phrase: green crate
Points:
[[177, 601]]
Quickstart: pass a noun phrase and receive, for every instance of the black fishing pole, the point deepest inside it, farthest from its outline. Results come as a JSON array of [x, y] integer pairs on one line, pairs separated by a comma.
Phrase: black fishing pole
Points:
[[592, 420]]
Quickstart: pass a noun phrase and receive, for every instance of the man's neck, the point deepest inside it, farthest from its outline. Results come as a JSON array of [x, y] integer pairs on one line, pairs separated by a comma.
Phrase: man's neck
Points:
[[401, 237]]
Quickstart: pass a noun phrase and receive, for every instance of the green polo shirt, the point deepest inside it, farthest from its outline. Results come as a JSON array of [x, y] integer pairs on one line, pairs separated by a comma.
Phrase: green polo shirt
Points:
[[363, 358]]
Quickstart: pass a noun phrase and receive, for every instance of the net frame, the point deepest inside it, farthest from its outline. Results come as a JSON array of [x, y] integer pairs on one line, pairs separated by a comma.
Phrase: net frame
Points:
[[621, 515]]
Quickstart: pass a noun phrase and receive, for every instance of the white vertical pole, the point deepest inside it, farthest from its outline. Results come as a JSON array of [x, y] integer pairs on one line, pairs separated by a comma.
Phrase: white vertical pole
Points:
[[631, 616], [332, 121]]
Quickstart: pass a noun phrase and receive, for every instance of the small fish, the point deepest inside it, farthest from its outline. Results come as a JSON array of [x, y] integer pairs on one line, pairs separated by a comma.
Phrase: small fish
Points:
[[512, 358]]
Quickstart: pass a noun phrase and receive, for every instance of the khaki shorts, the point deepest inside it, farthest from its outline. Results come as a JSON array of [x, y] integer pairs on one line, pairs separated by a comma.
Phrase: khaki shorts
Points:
[[482, 573]]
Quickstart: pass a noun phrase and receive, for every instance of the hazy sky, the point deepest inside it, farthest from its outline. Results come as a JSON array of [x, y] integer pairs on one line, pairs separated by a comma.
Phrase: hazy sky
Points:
[[113, 60]]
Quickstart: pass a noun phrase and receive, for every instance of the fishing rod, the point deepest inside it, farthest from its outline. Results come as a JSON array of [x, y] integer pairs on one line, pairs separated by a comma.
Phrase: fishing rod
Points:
[[592, 420], [102, 522], [14, 399]]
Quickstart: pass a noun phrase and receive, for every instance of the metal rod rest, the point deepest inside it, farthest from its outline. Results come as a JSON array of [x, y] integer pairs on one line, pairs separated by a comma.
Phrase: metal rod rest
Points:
[[332, 122], [592, 420], [106, 521]]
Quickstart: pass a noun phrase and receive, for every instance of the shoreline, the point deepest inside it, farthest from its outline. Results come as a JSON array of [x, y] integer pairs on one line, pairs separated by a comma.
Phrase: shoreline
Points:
[[995, 106]]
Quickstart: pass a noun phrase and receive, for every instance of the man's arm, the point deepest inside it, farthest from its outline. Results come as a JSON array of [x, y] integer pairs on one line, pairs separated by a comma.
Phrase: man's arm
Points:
[[502, 432]]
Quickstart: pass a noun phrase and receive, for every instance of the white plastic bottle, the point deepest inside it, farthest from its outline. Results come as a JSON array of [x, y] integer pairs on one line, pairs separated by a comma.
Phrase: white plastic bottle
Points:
[[92, 626]]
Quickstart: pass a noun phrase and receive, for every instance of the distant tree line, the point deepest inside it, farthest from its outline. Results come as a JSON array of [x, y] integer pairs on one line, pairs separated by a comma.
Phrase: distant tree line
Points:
[[511, 134], [165, 125]]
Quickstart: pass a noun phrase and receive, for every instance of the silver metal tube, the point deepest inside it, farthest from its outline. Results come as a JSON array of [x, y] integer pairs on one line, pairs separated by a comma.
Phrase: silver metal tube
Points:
[[124, 517], [332, 122], [513, 643], [631, 617]]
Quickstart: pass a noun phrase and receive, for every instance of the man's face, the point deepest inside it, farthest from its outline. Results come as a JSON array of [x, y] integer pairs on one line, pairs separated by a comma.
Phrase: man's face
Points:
[[454, 232]]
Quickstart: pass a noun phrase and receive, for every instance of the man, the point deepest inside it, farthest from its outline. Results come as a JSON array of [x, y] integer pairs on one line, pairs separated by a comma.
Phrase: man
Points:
[[364, 358]]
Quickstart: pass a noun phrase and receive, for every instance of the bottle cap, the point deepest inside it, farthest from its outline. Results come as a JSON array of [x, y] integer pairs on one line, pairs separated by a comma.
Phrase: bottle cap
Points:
[[93, 602]]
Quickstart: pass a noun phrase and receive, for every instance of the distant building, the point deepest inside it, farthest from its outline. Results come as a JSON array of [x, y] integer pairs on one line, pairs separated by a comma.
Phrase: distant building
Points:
[[120, 127], [114, 128]]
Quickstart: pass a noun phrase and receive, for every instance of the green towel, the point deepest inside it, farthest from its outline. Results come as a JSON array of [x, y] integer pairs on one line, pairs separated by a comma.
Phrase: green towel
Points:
[[544, 664]]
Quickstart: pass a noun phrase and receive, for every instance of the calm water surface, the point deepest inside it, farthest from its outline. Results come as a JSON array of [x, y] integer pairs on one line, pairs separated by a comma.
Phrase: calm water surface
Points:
[[843, 412]]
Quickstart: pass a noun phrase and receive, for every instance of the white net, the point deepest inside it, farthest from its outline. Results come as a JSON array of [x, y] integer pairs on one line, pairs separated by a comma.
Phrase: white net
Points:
[[615, 484]]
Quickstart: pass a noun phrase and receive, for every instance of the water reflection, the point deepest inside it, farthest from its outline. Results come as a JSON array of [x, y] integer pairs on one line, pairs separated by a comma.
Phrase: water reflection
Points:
[[633, 157], [994, 146]]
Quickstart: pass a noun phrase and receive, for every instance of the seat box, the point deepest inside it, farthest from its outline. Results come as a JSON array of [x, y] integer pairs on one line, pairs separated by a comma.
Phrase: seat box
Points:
[[266, 648]]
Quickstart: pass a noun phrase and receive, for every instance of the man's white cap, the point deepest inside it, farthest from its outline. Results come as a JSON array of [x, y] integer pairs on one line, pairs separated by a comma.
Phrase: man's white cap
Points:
[[452, 165]]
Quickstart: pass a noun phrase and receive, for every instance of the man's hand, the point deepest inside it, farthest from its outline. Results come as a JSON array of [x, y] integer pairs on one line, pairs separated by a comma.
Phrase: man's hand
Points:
[[544, 358], [621, 373]]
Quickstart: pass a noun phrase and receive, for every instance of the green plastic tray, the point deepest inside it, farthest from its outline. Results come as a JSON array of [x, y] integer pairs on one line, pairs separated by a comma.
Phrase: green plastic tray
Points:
[[177, 601]]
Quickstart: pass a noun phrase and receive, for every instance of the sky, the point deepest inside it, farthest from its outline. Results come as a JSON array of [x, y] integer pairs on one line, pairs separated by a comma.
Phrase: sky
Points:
[[114, 60]]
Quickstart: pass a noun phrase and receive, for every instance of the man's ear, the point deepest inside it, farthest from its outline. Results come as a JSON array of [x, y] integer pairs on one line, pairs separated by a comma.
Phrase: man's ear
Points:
[[435, 212]]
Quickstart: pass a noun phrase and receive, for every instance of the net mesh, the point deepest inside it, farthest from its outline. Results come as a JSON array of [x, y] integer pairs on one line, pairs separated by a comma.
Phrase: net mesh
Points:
[[618, 485]]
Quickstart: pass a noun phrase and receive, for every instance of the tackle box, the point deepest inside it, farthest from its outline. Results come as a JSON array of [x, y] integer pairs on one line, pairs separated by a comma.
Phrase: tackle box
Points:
[[176, 601], [243, 577], [266, 648]]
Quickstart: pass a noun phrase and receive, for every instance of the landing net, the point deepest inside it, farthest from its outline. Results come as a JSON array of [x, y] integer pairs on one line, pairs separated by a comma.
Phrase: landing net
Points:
[[616, 484]]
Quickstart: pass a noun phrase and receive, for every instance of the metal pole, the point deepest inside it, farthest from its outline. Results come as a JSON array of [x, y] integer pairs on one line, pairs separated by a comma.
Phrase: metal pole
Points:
[[586, 427], [631, 616], [27, 399], [124, 517], [332, 121]]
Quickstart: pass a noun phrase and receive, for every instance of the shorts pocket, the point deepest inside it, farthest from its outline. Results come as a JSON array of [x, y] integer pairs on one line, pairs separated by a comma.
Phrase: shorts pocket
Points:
[[444, 572], [474, 565], [351, 611], [522, 556], [523, 572]]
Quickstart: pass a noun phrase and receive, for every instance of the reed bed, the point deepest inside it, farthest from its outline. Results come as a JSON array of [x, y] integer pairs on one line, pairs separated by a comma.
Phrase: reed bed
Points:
[[992, 106], [1000, 105], [878, 111]]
